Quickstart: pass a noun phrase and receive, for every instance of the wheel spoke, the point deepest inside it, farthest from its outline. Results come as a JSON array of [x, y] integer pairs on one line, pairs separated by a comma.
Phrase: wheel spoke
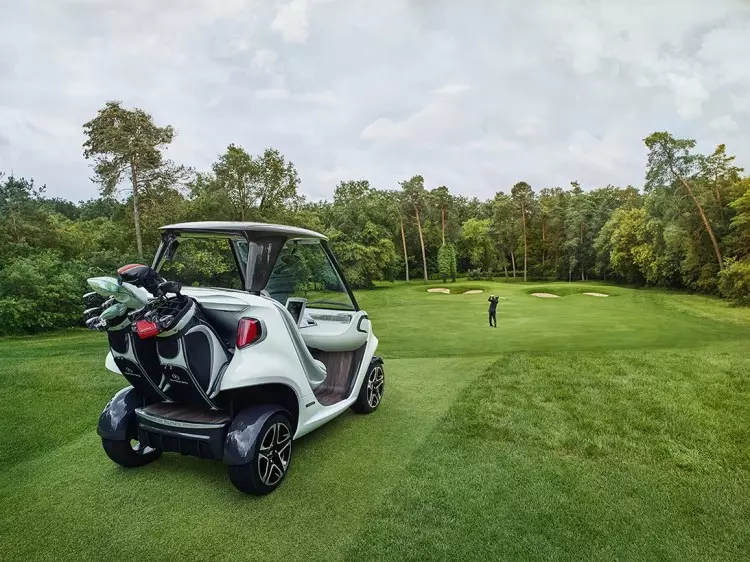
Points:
[[282, 434], [284, 448], [274, 454], [278, 470], [264, 473]]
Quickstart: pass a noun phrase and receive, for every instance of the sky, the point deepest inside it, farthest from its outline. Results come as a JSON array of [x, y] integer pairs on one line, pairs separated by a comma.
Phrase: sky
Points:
[[476, 95]]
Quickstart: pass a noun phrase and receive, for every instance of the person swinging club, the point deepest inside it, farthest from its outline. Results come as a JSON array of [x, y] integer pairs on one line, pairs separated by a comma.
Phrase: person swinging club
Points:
[[493, 310]]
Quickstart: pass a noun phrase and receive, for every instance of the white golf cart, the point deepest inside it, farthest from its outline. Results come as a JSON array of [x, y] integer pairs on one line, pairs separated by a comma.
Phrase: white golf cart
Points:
[[270, 346]]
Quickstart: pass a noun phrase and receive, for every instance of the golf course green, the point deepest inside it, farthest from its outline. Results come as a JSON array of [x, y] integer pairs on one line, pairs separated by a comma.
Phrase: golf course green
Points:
[[581, 428]]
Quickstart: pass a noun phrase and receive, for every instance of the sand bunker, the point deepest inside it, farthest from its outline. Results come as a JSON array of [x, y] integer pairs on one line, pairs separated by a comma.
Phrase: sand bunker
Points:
[[447, 291], [545, 295], [473, 292], [596, 294]]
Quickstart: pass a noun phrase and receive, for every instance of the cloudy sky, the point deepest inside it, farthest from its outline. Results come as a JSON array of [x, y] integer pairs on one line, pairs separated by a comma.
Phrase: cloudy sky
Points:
[[475, 95]]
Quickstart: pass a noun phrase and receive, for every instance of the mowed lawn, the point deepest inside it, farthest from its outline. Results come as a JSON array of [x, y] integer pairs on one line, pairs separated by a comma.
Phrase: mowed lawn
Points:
[[581, 428]]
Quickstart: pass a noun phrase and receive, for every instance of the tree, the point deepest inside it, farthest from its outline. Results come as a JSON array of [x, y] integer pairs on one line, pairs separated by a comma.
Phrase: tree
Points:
[[719, 171], [361, 227], [24, 223], [237, 176], [441, 198], [670, 161], [476, 236], [403, 242], [414, 194], [578, 214], [740, 223], [504, 229], [245, 187], [279, 183], [447, 262], [125, 142], [552, 227], [523, 197]]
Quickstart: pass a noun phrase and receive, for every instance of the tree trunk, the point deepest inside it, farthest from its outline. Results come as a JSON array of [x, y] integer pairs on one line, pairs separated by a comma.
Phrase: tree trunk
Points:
[[505, 269], [525, 252], [443, 213], [421, 243], [513, 261], [544, 246], [583, 277], [136, 210], [704, 218], [406, 256]]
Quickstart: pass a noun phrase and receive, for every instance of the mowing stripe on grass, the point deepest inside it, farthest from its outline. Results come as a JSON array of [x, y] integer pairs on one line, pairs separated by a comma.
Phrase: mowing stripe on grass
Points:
[[581, 456], [73, 503]]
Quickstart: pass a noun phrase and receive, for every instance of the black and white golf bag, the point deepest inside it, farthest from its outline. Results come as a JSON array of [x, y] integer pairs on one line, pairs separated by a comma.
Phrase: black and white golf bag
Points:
[[137, 359], [191, 354]]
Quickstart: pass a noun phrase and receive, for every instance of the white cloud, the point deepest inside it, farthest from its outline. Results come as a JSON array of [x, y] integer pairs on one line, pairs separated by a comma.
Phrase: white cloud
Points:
[[273, 94], [291, 22], [321, 98], [264, 60], [529, 126], [558, 91], [724, 124], [382, 128], [689, 94], [324, 98], [450, 89], [741, 103]]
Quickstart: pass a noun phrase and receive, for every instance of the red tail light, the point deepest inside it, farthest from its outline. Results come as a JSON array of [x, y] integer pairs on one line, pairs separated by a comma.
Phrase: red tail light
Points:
[[146, 329], [248, 331]]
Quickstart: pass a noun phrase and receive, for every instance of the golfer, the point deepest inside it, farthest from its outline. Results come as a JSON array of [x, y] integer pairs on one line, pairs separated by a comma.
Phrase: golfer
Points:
[[493, 309]]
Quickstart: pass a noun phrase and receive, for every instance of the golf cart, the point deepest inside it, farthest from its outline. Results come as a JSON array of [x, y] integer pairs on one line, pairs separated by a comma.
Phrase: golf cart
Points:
[[239, 338]]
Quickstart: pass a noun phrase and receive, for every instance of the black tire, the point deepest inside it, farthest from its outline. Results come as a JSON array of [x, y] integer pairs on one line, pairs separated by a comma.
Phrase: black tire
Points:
[[130, 453], [265, 472], [371, 393]]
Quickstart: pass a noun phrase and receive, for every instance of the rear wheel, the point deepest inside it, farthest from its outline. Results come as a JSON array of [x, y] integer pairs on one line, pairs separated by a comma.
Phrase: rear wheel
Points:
[[371, 393], [270, 462], [130, 453]]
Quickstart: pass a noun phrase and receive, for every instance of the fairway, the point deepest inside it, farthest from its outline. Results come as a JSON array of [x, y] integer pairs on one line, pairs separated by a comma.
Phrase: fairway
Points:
[[580, 428]]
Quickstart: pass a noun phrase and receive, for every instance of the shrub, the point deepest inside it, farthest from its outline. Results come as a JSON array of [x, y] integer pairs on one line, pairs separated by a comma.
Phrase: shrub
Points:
[[40, 292], [478, 274], [447, 262], [734, 281]]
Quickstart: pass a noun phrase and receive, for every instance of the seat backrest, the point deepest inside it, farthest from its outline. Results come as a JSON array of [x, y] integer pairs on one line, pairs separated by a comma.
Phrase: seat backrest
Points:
[[337, 336]]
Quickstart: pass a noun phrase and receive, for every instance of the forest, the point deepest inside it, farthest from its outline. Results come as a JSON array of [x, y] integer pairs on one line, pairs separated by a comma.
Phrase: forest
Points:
[[687, 227]]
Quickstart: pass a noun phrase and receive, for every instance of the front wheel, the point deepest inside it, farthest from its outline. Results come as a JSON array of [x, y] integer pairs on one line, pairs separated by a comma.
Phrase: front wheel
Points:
[[371, 393], [130, 453], [270, 462]]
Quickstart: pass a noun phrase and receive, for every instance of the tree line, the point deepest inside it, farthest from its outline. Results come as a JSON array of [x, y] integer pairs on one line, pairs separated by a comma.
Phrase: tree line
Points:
[[687, 227]]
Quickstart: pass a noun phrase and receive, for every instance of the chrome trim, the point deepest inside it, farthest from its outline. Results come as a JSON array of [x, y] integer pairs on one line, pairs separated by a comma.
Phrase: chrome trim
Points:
[[177, 423], [170, 433]]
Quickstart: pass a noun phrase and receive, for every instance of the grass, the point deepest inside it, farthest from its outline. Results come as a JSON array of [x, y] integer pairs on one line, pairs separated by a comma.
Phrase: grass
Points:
[[580, 428]]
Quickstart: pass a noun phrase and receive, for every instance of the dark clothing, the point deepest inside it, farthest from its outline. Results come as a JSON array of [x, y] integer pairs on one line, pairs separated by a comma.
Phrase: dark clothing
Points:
[[493, 310]]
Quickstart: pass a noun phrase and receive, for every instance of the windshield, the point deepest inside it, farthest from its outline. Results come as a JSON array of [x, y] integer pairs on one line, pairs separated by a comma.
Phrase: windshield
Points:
[[304, 270], [206, 262]]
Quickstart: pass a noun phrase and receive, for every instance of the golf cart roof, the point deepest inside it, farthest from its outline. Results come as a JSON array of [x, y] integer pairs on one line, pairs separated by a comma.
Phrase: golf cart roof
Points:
[[232, 227]]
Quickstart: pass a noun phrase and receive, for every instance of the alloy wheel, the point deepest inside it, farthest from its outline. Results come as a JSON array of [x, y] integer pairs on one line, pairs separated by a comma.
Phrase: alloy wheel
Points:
[[274, 455], [375, 387]]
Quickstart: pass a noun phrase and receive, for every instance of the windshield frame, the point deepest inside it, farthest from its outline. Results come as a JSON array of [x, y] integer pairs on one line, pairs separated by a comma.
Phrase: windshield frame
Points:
[[264, 249]]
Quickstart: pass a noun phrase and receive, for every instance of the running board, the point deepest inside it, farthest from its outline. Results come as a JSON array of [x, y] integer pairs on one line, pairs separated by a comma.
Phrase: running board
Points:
[[185, 430]]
